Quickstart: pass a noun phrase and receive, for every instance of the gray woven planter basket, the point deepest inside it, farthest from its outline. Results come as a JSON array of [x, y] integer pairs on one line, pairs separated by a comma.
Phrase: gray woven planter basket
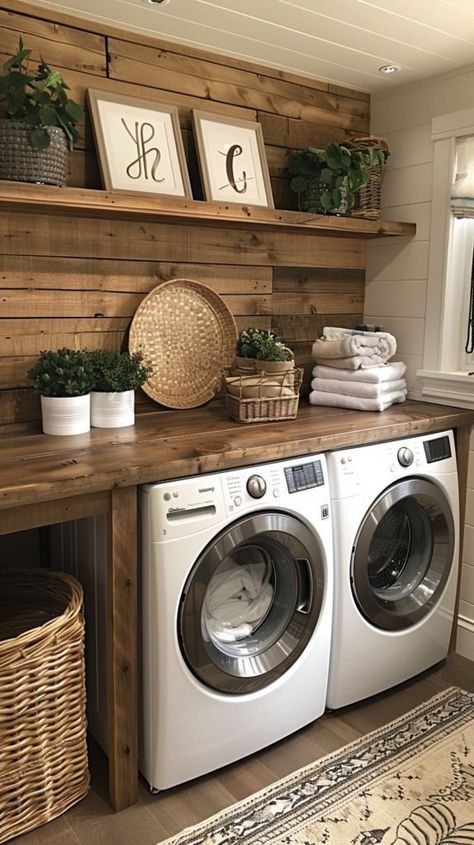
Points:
[[20, 162]]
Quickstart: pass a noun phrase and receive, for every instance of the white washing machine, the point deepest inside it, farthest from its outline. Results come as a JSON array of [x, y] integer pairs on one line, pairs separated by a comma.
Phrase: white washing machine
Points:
[[237, 592], [396, 537]]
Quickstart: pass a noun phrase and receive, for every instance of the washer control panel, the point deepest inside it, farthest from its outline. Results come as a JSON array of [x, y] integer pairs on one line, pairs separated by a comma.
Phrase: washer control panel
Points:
[[304, 476]]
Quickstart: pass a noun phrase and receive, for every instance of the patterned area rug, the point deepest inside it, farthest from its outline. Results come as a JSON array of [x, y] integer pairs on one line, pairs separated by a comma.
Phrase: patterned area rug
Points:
[[408, 783]]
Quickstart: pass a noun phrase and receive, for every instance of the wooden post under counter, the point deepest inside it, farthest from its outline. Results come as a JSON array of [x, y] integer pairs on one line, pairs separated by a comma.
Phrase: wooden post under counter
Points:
[[46, 480]]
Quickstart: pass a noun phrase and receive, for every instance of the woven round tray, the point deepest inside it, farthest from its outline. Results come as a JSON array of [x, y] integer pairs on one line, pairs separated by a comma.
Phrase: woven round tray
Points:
[[187, 334]]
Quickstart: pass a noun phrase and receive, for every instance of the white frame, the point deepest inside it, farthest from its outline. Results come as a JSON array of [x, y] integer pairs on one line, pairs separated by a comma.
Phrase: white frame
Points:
[[139, 145], [217, 136], [441, 379]]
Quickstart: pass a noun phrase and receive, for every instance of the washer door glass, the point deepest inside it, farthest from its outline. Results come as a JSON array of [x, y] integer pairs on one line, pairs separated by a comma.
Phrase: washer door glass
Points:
[[403, 554], [251, 602]]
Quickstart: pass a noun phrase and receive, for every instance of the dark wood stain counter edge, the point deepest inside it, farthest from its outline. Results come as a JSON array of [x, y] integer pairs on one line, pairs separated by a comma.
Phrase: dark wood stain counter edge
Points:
[[175, 444]]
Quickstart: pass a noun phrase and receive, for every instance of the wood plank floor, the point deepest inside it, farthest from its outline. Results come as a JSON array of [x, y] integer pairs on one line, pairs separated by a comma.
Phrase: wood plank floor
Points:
[[154, 818]]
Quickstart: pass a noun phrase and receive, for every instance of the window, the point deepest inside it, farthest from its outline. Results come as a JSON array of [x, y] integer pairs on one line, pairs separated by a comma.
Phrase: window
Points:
[[446, 366]]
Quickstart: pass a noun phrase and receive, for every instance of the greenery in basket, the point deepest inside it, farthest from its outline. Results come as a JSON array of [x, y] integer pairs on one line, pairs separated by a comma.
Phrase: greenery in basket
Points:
[[261, 344], [115, 372], [249, 341], [338, 171], [67, 372], [271, 349], [38, 98]]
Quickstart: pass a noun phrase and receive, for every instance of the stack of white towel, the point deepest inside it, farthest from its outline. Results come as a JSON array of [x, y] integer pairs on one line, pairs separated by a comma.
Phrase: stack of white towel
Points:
[[352, 370]]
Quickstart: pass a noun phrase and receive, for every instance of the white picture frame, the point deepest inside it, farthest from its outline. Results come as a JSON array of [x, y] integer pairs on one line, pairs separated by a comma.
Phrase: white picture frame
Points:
[[139, 145], [232, 161]]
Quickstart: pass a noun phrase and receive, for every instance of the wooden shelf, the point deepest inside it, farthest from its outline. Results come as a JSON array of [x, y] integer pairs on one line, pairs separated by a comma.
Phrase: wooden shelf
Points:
[[46, 199]]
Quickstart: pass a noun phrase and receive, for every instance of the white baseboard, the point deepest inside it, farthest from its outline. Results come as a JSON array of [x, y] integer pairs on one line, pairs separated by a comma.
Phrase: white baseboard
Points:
[[465, 637]]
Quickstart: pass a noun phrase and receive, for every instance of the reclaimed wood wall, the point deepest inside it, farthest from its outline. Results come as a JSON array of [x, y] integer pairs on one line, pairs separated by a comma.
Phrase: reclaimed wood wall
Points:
[[78, 282]]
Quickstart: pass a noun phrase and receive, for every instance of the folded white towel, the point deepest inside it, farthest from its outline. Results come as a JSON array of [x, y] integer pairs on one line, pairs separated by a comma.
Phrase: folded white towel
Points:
[[336, 333], [337, 400], [345, 347], [372, 375], [354, 362], [359, 388]]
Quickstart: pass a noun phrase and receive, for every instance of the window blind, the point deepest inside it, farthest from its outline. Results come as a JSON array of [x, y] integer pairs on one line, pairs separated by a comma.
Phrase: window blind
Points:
[[462, 191]]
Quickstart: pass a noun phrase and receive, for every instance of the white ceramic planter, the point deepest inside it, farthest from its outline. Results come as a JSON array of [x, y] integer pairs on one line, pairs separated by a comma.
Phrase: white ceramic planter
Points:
[[112, 410], [65, 414]]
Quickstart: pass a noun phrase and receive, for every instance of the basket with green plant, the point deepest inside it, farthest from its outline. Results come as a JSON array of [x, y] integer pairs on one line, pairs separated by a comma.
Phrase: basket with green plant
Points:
[[327, 180], [41, 122]]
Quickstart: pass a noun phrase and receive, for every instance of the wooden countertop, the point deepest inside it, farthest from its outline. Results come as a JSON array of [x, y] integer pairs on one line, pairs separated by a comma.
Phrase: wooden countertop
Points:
[[170, 444]]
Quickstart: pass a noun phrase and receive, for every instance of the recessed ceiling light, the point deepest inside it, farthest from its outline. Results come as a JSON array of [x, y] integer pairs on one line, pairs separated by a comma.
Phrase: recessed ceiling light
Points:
[[389, 68], [157, 2]]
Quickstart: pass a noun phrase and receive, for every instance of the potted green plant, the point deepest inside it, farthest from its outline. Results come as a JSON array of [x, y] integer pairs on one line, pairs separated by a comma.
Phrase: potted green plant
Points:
[[64, 381], [116, 376], [327, 180], [272, 355], [247, 347], [41, 122]]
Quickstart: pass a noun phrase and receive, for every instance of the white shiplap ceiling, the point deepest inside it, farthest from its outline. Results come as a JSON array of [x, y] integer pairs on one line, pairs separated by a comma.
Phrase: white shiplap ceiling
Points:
[[342, 41]]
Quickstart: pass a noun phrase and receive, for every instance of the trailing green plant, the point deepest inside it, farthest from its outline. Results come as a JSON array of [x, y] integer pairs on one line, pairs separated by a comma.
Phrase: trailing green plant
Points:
[[338, 171], [250, 340], [39, 98], [66, 372], [114, 372]]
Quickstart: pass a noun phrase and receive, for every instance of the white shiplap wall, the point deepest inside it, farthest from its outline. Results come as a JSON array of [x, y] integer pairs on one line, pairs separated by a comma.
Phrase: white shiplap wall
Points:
[[397, 273]]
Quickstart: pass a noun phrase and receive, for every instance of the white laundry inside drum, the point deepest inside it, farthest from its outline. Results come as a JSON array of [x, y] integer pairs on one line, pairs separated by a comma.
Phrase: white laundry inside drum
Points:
[[239, 596]]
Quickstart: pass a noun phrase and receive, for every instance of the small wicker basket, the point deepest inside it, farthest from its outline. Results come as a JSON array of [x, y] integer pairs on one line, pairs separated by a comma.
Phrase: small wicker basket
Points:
[[20, 162], [43, 752], [367, 203], [260, 407]]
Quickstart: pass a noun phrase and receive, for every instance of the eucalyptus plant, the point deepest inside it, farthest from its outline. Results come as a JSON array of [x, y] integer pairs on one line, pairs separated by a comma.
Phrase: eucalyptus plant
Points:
[[337, 172], [66, 372], [39, 98]]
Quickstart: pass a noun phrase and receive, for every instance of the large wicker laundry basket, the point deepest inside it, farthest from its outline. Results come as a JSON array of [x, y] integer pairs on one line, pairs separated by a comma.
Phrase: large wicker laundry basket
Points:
[[43, 753]]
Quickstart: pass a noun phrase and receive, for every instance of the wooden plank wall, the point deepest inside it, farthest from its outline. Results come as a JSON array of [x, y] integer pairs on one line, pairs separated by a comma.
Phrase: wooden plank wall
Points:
[[78, 282]]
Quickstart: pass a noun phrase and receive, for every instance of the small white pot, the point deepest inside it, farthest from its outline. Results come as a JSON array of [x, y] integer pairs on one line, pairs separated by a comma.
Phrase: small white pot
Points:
[[65, 414], [112, 410]]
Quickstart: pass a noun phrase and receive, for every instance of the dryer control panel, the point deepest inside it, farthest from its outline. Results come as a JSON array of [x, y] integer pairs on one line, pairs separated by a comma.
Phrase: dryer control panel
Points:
[[380, 464]]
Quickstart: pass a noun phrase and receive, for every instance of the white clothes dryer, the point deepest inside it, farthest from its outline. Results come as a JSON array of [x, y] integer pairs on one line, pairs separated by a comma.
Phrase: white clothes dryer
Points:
[[396, 538], [237, 593]]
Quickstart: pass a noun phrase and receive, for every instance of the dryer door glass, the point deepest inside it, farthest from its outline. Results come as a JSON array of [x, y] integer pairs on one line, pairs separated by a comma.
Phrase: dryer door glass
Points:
[[252, 602], [403, 554]]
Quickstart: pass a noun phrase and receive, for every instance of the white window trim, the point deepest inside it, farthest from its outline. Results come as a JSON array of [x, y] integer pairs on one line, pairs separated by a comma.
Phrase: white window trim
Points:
[[441, 380]]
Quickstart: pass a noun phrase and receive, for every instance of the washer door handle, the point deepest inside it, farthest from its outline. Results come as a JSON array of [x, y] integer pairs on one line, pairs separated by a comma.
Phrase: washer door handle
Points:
[[305, 581]]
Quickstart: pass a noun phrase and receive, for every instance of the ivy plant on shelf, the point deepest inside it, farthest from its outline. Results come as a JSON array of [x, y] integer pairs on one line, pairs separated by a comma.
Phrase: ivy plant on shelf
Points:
[[41, 122], [327, 180]]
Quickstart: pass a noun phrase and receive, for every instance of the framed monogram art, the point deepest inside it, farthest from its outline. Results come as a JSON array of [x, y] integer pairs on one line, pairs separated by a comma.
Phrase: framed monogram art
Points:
[[139, 145], [232, 161]]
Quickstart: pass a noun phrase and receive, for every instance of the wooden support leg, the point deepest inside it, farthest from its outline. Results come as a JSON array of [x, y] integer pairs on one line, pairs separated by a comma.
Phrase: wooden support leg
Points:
[[462, 437], [122, 649]]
